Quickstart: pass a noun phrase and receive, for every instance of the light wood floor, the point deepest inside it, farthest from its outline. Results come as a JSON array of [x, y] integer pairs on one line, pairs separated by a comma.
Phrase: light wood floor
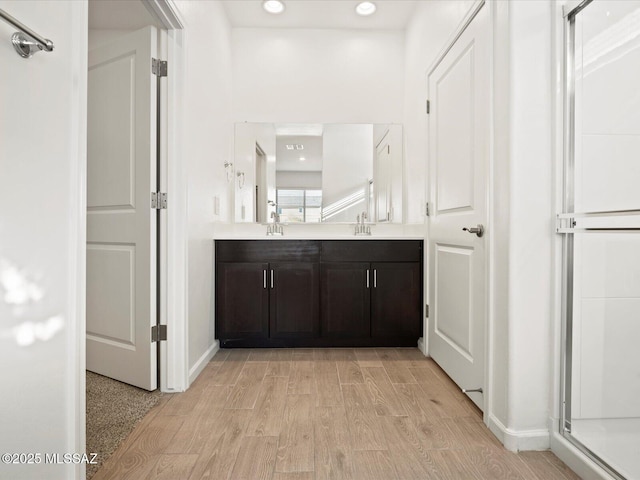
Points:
[[315, 414]]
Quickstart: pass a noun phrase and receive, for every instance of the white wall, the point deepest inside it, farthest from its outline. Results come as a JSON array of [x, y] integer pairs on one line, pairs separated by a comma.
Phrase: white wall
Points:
[[531, 217], [322, 76], [42, 238], [293, 179], [207, 143], [521, 206]]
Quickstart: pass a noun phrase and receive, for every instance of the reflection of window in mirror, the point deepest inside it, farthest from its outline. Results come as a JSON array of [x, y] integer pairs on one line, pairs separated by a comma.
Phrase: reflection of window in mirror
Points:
[[298, 205]]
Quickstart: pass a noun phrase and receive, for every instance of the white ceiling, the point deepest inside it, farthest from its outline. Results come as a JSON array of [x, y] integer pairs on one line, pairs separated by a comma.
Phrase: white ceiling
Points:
[[289, 160], [390, 14]]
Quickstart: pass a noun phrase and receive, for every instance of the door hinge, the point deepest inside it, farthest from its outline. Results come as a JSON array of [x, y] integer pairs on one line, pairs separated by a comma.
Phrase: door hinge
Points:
[[565, 223], [428, 107], [158, 333], [426, 311], [159, 67], [426, 209], [158, 200]]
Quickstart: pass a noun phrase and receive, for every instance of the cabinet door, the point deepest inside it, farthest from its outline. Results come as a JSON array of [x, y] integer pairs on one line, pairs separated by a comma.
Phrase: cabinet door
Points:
[[242, 300], [396, 301], [345, 299], [294, 299]]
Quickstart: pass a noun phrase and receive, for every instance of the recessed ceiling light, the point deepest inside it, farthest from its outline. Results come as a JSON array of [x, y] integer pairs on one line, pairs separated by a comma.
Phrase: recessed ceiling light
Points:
[[302, 159], [365, 8], [273, 6]]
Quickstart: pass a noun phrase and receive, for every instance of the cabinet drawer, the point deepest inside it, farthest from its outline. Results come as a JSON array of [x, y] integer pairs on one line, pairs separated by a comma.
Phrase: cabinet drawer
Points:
[[267, 251], [372, 251]]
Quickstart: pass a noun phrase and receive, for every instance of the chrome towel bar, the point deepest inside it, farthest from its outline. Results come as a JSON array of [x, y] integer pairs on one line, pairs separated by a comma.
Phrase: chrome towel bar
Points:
[[26, 42]]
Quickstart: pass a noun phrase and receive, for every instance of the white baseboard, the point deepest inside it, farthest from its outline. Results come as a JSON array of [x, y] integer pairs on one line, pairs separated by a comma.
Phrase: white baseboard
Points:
[[518, 441], [202, 361], [422, 346]]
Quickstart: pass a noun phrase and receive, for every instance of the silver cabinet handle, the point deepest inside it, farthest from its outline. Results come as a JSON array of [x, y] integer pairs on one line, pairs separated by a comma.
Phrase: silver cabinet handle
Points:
[[271, 278], [478, 230], [264, 279], [375, 278], [367, 278]]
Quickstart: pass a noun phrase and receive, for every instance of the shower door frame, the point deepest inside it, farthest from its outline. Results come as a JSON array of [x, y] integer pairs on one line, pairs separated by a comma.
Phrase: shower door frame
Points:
[[565, 226]]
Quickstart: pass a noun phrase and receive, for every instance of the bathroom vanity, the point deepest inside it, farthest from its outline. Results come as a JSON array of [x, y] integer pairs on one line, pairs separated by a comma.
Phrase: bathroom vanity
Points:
[[318, 293]]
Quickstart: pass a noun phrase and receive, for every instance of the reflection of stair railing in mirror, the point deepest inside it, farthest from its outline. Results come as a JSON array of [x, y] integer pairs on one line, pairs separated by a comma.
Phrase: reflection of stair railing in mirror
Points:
[[344, 203]]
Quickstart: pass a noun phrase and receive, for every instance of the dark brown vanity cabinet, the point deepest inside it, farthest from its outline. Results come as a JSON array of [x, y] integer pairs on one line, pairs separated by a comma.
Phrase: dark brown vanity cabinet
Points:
[[380, 298], [267, 291], [318, 293]]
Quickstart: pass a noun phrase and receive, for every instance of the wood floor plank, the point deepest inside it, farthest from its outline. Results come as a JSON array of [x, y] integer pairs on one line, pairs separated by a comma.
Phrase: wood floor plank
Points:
[[260, 355], [397, 372], [267, 415], [374, 465], [198, 426], [470, 434], [349, 371], [230, 369], [365, 429], [327, 384], [256, 459], [491, 463], [280, 364], [295, 444], [173, 467], [132, 465], [385, 399], [367, 357], [245, 392], [305, 354], [219, 357], [411, 357], [452, 465], [546, 466], [158, 435], [442, 403], [332, 443], [301, 378], [410, 456], [219, 452], [425, 375], [293, 476]]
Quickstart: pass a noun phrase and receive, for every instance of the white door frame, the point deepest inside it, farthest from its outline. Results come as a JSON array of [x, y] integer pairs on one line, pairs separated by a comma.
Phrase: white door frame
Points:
[[174, 369], [490, 209]]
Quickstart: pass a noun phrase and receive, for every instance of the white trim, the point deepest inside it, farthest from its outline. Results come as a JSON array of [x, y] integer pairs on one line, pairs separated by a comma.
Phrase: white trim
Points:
[[519, 440], [422, 346], [166, 13], [174, 370], [206, 357], [468, 18], [76, 353]]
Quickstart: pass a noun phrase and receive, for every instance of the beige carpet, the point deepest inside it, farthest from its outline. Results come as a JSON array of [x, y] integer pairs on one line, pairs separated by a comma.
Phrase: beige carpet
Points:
[[113, 410]]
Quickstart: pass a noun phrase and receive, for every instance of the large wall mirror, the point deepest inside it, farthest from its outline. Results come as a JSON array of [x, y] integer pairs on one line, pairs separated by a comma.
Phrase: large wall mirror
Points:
[[318, 173]]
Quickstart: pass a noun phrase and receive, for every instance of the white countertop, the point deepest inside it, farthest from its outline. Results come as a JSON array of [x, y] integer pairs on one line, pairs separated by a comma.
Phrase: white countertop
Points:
[[249, 231]]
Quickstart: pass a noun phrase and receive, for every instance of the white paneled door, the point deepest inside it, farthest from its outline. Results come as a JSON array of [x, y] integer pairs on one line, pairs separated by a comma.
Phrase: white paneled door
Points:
[[121, 226], [458, 159]]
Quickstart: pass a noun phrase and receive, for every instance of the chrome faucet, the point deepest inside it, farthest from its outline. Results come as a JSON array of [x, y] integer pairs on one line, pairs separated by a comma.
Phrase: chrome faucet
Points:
[[275, 228], [361, 228]]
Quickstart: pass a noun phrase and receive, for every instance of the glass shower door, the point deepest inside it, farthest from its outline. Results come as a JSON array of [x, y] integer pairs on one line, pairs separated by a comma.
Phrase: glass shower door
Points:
[[601, 227]]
